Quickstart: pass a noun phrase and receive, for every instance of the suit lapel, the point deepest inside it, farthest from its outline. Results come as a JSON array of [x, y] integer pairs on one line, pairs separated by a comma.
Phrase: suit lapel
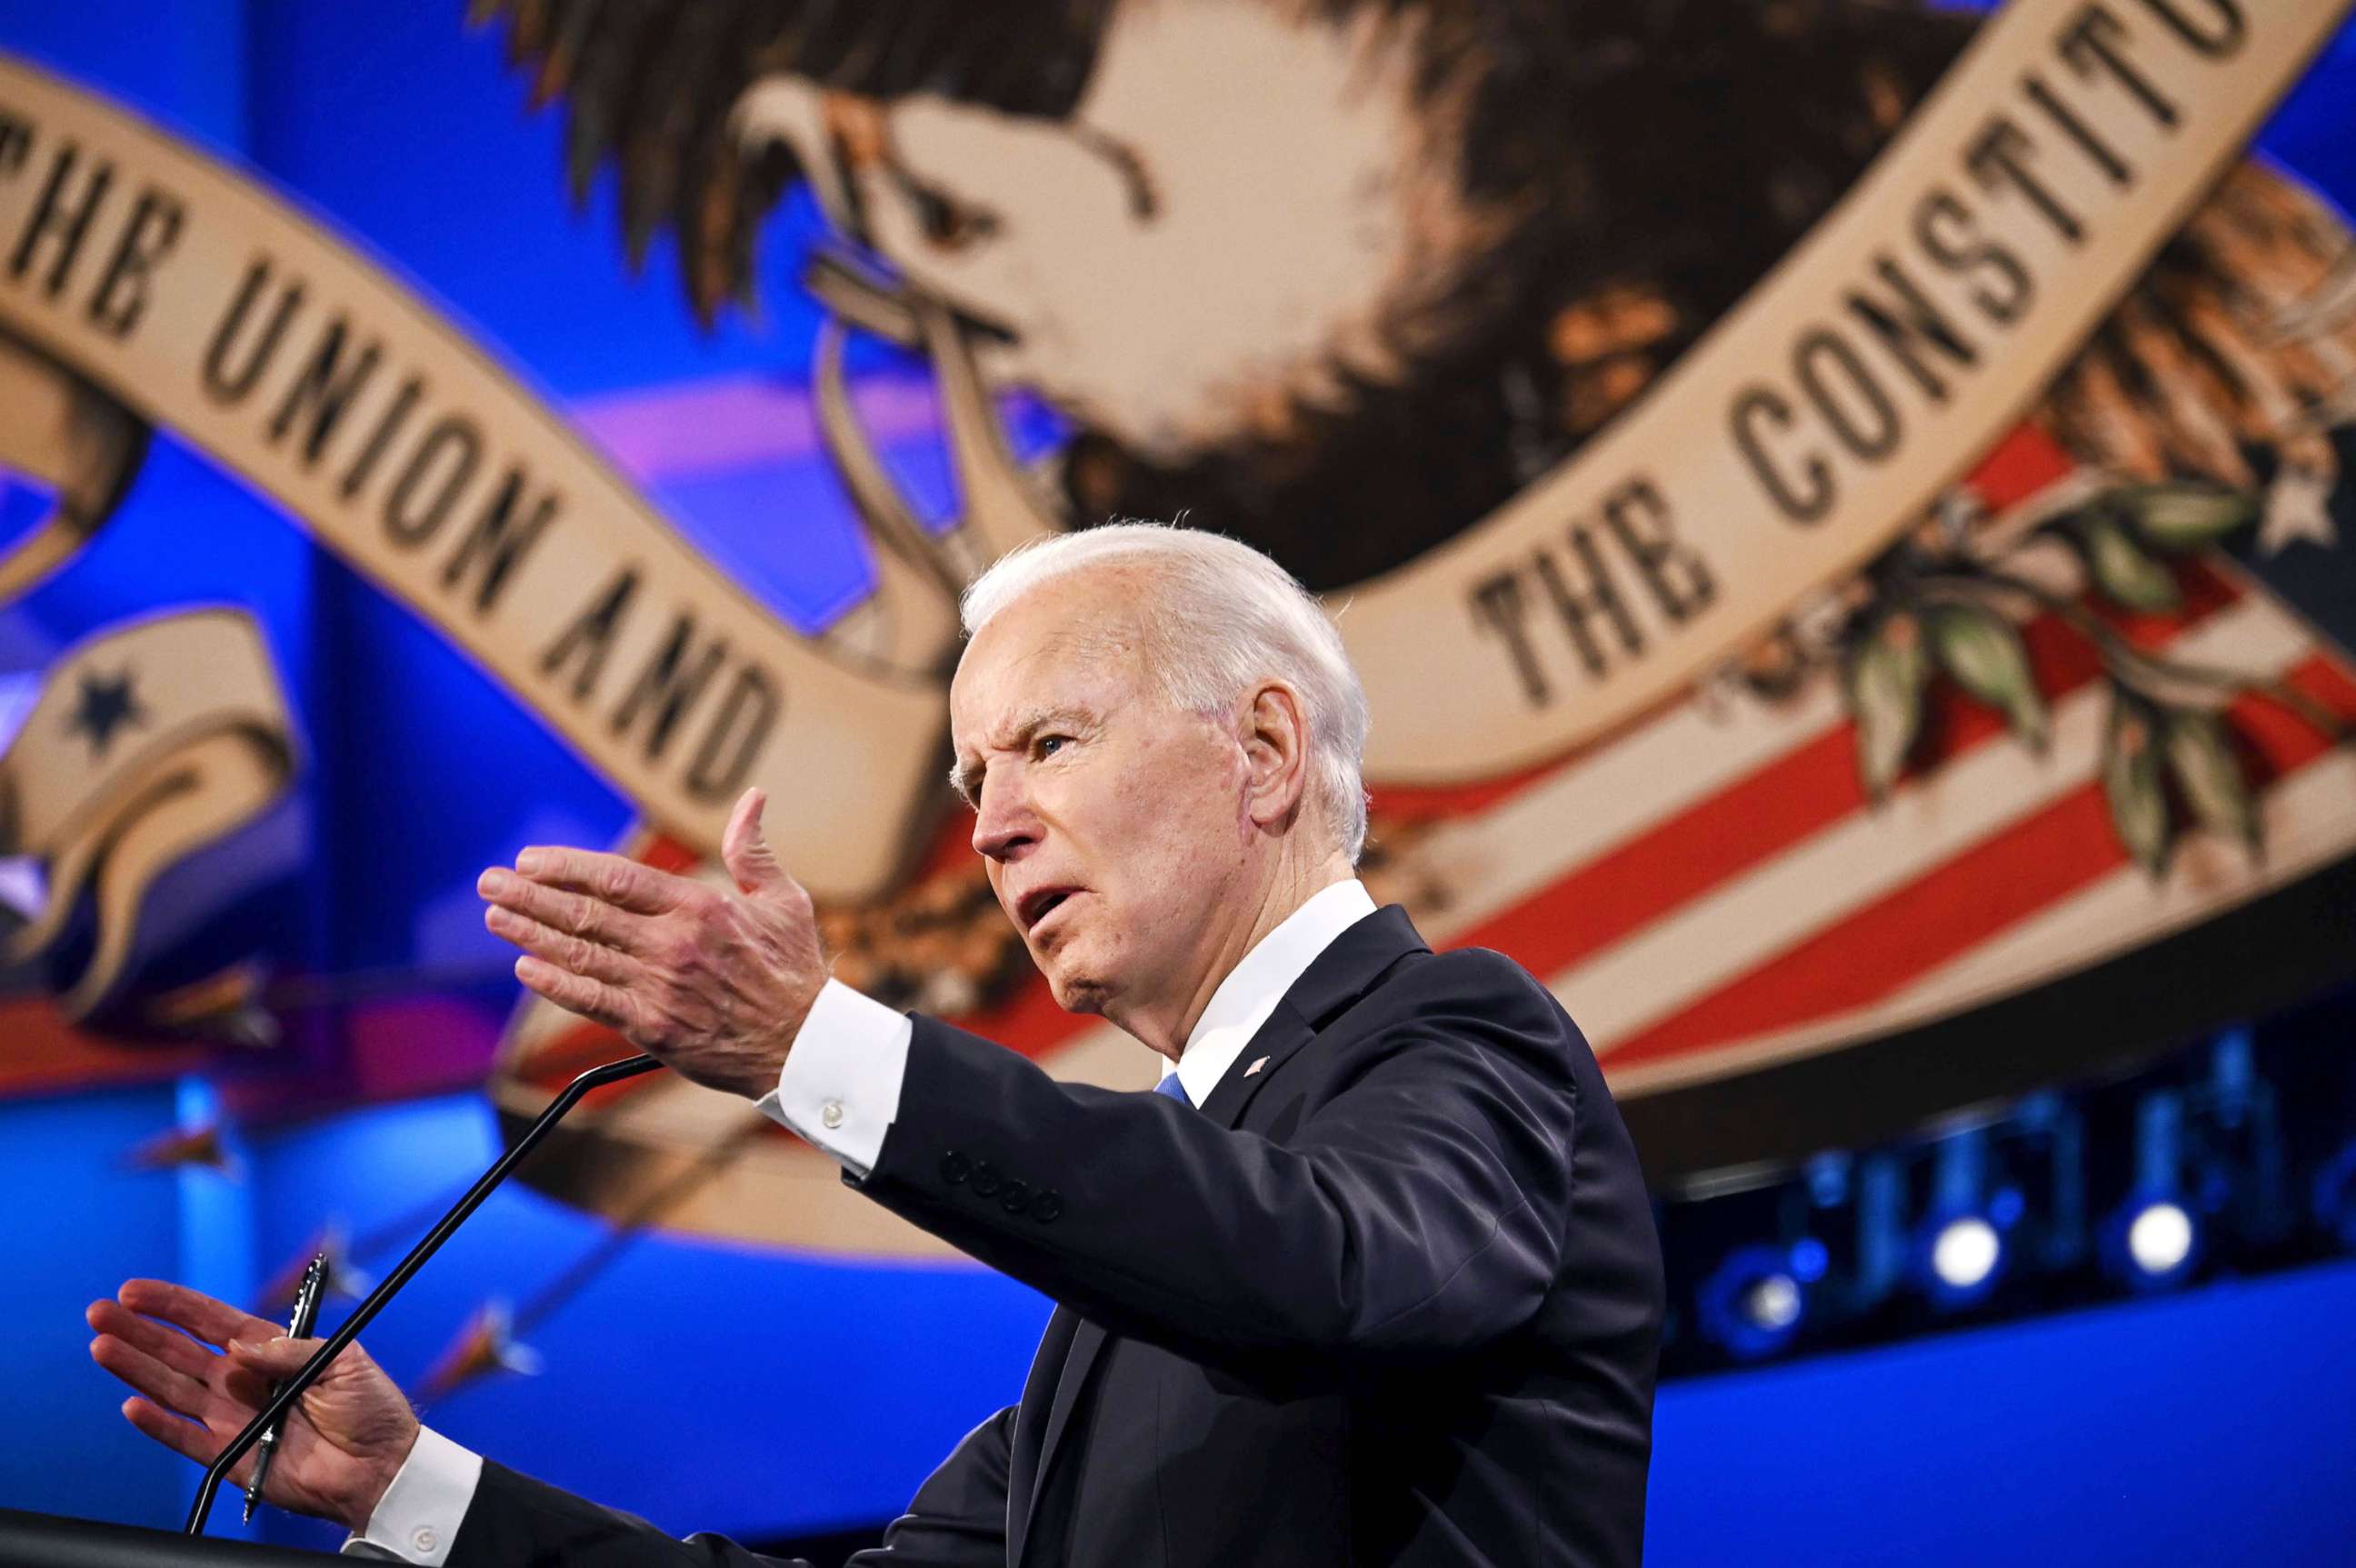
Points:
[[1030, 1420], [1285, 1031], [1078, 1363], [1345, 971]]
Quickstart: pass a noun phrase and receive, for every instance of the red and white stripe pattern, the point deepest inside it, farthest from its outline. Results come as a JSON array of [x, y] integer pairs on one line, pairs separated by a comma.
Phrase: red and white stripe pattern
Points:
[[1711, 891]]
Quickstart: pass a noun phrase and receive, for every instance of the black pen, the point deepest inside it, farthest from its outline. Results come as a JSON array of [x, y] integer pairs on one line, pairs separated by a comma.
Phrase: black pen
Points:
[[306, 1312]]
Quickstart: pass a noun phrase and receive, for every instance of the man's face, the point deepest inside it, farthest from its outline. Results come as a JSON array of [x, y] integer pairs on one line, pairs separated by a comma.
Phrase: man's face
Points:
[[1112, 823]]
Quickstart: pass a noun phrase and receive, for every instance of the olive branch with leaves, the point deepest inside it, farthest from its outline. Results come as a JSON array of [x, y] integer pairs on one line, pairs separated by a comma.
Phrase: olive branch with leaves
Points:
[[1933, 610]]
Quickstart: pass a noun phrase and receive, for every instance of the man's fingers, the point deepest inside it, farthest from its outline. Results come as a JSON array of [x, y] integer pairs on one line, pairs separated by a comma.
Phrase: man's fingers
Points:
[[173, 1390], [580, 955], [562, 909], [212, 1321], [590, 999], [183, 1437], [169, 1345], [609, 878]]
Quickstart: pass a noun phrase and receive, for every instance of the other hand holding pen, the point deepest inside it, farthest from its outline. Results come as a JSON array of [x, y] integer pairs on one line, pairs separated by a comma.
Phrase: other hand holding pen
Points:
[[334, 1464]]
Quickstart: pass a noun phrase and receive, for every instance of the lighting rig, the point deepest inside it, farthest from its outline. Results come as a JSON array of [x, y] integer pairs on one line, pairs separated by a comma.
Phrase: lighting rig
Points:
[[2236, 1155]]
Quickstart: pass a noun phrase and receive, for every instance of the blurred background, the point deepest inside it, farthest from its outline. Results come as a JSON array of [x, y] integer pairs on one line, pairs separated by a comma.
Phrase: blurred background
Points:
[[1977, 970]]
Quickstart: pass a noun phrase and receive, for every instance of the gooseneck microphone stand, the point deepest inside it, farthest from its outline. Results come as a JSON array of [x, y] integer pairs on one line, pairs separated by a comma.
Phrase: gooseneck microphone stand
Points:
[[595, 1078]]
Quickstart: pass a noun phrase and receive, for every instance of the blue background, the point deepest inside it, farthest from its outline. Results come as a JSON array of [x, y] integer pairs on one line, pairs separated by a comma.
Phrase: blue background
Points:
[[707, 1389], [716, 1387]]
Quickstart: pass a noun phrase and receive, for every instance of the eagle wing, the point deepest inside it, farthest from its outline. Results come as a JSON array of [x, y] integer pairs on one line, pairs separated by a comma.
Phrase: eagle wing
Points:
[[2234, 357], [651, 86]]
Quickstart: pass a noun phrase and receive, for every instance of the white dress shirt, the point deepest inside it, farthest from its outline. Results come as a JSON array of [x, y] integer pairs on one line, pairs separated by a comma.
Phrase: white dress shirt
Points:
[[840, 1091], [1253, 988], [418, 1517]]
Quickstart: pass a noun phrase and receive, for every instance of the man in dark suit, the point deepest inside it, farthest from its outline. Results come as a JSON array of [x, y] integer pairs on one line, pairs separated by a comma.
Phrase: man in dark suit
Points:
[[1370, 1279]]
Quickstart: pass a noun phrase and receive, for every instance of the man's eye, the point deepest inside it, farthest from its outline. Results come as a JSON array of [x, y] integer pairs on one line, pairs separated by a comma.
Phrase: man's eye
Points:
[[1048, 744]]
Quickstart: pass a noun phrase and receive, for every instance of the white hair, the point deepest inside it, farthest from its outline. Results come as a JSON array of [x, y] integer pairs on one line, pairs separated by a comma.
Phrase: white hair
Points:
[[1220, 616]]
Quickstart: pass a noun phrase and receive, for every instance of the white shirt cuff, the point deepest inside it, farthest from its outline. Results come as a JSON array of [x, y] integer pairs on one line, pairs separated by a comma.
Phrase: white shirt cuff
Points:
[[417, 1518], [841, 1086]]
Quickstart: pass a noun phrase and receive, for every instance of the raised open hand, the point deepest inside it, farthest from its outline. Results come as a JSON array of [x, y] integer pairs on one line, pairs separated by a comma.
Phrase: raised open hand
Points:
[[341, 1449], [716, 983]]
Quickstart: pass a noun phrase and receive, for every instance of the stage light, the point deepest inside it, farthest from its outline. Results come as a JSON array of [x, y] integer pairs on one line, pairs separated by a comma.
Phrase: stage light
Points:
[[1962, 1246], [2160, 1238], [2152, 1242], [1773, 1305], [1966, 1253], [1755, 1303]]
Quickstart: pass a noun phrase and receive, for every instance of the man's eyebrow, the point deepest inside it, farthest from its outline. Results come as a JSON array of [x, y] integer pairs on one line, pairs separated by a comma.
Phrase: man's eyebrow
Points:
[[965, 778], [1031, 721]]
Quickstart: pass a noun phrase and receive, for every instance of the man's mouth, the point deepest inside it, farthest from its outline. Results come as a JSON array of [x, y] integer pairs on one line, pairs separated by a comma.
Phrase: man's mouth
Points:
[[1039, 903]]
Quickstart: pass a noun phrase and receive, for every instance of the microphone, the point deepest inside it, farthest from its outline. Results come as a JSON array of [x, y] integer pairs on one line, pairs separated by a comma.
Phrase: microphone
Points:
[[444, 1229]]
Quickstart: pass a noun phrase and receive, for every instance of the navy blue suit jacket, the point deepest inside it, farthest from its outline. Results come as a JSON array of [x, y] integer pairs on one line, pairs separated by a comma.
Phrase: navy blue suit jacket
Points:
[[1392, 1296]]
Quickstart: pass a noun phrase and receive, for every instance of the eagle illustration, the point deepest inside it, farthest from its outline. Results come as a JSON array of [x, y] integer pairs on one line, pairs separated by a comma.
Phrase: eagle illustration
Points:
[[1340, 277], [1422, 250]]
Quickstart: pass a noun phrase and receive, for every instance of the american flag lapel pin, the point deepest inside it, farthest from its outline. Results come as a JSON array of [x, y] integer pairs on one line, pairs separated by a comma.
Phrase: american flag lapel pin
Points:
[[1254, 1066]]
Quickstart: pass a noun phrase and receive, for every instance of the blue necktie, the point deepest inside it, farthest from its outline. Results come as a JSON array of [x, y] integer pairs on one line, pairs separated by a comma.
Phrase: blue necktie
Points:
[[1174, 1089]]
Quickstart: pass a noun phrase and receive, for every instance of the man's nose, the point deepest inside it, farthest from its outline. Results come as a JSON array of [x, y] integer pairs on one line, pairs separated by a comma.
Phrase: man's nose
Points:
[[1003, 824]]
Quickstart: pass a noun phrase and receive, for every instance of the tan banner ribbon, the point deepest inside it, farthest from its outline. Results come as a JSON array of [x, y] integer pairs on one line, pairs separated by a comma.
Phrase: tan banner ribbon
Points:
[[1907, 334], [212, 309], [84, 447], [145, 743]]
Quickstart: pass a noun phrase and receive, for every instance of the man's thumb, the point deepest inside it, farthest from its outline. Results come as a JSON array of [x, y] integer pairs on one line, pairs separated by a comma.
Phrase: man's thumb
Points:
[[744, 851]]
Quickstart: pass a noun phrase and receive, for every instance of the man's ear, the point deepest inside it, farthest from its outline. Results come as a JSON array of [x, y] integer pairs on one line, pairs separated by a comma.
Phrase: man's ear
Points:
[[1276, 754]]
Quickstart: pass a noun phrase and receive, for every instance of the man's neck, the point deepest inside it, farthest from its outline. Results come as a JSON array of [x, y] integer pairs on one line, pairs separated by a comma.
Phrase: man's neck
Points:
[[1166, 1028]]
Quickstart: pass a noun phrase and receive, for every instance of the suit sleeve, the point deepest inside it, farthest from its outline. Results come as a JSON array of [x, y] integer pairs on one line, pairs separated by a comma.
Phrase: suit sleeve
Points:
[[1416, 1212], [958, 1519]]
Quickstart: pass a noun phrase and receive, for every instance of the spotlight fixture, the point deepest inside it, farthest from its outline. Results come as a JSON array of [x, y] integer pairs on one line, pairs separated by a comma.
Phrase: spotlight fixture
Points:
[[1754, 1306], [1963, 1245], [2159, 1239], [1962, 1257], [2152, 1242]]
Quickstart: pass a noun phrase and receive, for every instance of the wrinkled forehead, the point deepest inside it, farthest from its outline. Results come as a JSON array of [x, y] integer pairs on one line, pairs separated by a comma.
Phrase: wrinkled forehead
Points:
[[1073, 642]]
